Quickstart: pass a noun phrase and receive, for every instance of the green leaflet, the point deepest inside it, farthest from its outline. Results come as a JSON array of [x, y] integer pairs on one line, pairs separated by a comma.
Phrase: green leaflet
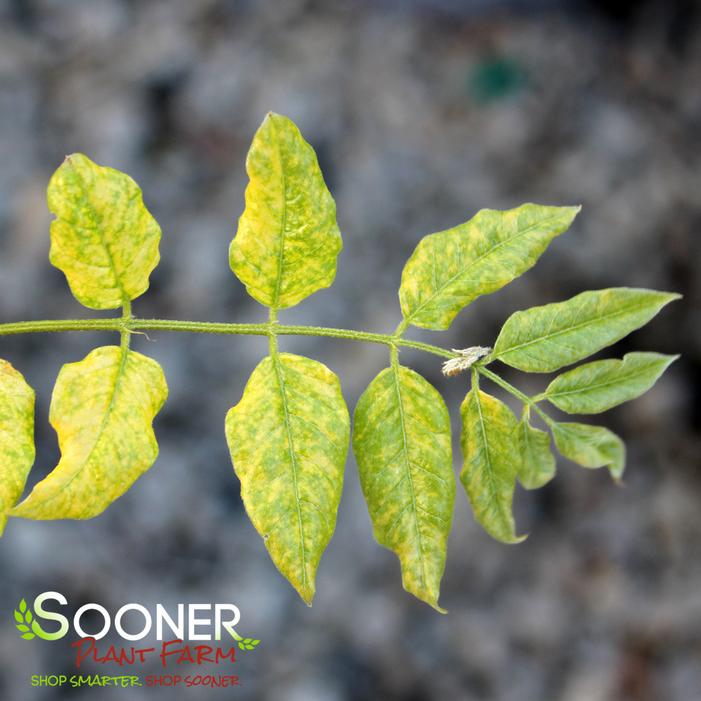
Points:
[[16, 437], [287, 242], [491, 455], [401, 441], [103, 238], [598, 386], [537, 465], [544, 339], [288, 438], [451, 268], [591, 446], [102, 408]]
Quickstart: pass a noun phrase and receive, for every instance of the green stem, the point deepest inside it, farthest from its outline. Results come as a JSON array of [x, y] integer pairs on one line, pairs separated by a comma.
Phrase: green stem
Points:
[[394, 357], [135, 324], [401, 328], [272, 331], [513, 390], [125, 333]]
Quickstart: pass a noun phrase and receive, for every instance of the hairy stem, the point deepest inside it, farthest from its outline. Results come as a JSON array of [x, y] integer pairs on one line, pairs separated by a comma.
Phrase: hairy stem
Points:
[[401, 328], [134, 324], [272, 331], [125, 333], [513, 390]]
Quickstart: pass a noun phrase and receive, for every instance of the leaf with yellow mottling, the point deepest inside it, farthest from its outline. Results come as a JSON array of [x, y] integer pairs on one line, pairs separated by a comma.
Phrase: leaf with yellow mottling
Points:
[[491, 454], [287, 241], [537, 465], [401, 441], [102, 409], [16, 437], [543, 339], [603, 384], [288, 438], [450, 269], [591, 446], [103, 238]]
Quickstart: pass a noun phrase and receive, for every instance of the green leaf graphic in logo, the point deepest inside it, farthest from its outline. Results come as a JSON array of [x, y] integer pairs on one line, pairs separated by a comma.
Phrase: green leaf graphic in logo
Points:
[[23, 619], [245, 643], [249, 644], [29, 627]]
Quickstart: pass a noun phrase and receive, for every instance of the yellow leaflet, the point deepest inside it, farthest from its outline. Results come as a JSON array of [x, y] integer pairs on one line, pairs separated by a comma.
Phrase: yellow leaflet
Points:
[[450, 269], [16, 437], [103, 238], [288, 438], [401, 440], [490, 448], [287, 242], [102, 409]]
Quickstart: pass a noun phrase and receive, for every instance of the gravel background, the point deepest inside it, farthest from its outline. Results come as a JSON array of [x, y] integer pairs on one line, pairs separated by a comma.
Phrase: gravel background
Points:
[[421, 112]]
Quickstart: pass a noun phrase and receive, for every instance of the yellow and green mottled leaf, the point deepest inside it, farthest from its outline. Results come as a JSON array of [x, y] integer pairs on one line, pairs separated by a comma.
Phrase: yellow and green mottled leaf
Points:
[[401, 441], [544, 339], [102, 409], [288, 438], [598, 386], [16, 437], [591, 446], [450, 269], [537, 465], [287, 241], [103, 238], [492, 460]]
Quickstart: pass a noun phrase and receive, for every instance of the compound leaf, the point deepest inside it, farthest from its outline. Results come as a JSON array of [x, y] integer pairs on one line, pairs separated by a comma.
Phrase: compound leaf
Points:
[[287, 241], [288, 438], [590, 446], [401, 441], [16, 437], [598, 386], [537, 465], [544, 339], [491, 455], [451, 268], [102, 409], [103, 238]]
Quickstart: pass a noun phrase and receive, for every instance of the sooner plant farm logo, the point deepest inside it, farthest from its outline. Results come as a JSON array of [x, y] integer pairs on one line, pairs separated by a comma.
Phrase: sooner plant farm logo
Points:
[[187, 635], [190, 626]]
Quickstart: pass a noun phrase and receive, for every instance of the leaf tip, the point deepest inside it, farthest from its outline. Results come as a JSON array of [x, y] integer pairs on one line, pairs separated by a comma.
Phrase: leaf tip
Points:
[[514, 539], [670, 296], [74, 159], [306, 592], [509, 538], [428, 595], [671, 359], [273, 117]]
